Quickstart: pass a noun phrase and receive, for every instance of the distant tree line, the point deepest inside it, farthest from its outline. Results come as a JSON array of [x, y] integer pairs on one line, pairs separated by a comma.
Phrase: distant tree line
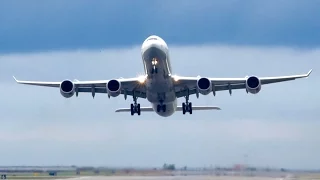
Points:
[[170, 167]]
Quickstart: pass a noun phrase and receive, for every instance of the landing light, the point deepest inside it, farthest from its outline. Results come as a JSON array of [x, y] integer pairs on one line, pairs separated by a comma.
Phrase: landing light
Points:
[[141, 79], [175, 78], [154, 61]]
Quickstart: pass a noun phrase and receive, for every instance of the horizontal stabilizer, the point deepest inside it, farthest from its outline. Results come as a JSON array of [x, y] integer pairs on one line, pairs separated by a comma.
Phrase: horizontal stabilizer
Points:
[[142, 109], [198, 108], [179, 108]]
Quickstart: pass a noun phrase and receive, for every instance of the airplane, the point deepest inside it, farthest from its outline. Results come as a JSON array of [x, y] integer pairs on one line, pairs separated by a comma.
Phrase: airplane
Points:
[[160, 86]]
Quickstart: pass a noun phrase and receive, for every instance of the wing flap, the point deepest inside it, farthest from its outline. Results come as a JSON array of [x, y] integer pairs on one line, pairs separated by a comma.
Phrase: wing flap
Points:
[[137, 93], [183, 93]]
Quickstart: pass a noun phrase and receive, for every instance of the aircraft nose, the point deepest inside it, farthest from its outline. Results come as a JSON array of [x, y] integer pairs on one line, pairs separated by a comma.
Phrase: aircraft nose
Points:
[[151, 44], [155, 45]]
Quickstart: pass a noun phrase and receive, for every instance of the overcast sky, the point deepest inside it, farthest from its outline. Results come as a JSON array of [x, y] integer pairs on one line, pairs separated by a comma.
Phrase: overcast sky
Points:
[[86, 40]]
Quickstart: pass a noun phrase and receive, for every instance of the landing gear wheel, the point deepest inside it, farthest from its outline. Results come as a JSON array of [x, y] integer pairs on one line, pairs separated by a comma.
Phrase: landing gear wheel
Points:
[[135, 108], [190, 107], [132, 110], [158, 108], [161, 107], [164, 108], [187, 108], [184, 108], [138, 109]]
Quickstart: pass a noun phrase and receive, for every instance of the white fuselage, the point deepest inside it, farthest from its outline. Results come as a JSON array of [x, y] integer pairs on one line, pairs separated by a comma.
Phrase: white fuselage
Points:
[[159, 85]]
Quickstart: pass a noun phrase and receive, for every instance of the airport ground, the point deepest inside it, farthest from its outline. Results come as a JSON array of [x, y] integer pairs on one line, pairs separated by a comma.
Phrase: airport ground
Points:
[[165, 175], [200, 177]]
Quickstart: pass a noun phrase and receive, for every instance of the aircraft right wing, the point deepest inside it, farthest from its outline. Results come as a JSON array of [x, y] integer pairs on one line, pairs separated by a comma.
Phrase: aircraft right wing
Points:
[[190, 85], [128, 86]]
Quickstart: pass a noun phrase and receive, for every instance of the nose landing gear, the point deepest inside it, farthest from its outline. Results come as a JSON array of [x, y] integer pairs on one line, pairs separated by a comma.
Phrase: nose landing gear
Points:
[[154, 70], [162, 107]]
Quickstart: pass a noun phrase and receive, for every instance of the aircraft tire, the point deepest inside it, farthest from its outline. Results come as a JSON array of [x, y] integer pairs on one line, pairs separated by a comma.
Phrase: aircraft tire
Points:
[[132, 110], [138, 109]]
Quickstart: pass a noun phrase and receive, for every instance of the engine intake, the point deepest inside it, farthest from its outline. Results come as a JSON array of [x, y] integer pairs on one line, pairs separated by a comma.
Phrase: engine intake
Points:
[[204, 86], [114, 88], [67, 88], [253, 85]]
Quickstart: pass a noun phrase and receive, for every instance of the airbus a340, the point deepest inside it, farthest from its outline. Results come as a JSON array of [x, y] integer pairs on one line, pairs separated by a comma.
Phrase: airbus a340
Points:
[[159, 86]]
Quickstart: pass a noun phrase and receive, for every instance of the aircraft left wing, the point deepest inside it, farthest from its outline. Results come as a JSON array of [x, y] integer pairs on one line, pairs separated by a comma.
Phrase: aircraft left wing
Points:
[[191, 85], [127, 86]]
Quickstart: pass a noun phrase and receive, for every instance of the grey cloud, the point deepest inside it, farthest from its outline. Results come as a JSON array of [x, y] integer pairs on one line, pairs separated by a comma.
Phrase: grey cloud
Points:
[[84, 24]]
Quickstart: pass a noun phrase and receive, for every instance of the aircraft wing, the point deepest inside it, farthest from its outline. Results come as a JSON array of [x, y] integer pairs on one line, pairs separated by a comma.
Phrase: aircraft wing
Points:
[[179, 108], [185, 85], [129, 86]]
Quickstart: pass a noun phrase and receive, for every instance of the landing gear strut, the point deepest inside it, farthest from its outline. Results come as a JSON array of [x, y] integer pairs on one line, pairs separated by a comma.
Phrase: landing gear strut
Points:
[[187, 106], [154, 70], [135, 107]]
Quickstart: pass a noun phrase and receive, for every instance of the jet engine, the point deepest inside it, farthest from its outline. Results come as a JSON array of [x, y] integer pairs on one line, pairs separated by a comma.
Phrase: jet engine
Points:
[[114, 88], [253, 85], [204, 86], [67, 88]]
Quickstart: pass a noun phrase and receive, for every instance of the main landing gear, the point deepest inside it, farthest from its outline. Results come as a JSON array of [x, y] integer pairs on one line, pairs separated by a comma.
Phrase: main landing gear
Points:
[[187, 106], [135, 107]]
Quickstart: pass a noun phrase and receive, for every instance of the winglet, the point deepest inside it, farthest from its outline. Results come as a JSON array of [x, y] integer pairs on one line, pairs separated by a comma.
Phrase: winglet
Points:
[[15, 78], [309, 72]]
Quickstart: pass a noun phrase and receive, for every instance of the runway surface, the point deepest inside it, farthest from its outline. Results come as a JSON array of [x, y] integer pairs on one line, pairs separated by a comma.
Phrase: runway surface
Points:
[[173, 178]]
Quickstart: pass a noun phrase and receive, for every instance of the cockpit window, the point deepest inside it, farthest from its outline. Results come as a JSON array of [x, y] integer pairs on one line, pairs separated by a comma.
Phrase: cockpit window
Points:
[[152, 38]]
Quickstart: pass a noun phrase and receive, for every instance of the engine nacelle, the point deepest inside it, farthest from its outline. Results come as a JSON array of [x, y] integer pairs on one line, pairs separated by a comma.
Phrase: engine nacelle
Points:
[[204, 86], [67, 88], [253, 85], [114, 88]]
